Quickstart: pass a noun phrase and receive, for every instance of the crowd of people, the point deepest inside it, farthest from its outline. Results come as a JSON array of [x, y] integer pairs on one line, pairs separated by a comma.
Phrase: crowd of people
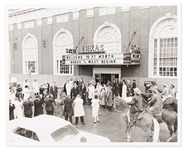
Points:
[[33, 99]]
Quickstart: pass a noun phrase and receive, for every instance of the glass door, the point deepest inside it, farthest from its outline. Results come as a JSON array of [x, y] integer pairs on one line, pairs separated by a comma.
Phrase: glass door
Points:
[[98, 78]]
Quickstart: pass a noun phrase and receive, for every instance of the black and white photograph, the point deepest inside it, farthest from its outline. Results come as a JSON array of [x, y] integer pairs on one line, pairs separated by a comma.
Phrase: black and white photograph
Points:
[[93, 75]]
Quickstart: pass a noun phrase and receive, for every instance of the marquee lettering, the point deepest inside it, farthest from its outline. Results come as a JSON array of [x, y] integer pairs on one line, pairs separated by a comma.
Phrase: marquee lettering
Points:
[[93, 48]]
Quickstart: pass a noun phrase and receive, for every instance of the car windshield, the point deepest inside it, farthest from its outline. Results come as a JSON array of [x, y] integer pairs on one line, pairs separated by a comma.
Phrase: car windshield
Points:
[[26, 133], [64, 133]]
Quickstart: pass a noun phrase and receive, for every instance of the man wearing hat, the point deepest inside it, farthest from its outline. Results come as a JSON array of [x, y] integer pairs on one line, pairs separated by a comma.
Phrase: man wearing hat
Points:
[[155, 104], [172, 91], [165, 92], [133, 86], [148, 92], [136, 105]]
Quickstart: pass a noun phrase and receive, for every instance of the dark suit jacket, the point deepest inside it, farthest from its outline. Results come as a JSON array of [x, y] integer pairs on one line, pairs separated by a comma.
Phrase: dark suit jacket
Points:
[[65, 90], [117, 89], [68, 108], [74, 92], [49, 105], [120, 88], [38, 106], [54, 91], [11, 113], [83, 91], [28, 109]]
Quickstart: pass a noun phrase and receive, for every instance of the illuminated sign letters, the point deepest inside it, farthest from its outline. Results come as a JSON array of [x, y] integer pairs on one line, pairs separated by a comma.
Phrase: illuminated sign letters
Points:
[[87, 49]]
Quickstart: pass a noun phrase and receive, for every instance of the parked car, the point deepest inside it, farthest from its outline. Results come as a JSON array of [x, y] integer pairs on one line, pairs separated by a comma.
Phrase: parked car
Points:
[[47, 130]]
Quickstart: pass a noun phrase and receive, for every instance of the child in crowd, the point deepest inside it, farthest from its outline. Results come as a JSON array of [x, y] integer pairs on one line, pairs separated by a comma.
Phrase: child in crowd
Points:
[[95, 108]]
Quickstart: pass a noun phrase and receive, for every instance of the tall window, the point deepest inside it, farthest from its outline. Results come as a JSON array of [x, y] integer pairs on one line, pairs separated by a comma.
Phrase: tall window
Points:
[[165, 49], [166, 63], [30, 54], [62, 41], [108, 35]]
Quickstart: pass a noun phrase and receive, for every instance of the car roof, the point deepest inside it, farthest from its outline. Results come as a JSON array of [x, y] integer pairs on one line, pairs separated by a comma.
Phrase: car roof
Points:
[[38, 124]]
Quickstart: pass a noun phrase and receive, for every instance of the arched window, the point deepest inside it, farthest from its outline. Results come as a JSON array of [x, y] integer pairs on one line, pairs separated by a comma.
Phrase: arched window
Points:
[[163, 47], [108, 35], [30, 54], [62, 40]]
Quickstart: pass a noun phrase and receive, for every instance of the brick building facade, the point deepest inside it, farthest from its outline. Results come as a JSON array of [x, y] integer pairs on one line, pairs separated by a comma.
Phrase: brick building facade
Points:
[[39, 37]]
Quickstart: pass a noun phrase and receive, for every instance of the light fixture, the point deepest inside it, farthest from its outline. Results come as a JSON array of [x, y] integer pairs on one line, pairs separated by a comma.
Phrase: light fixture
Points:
[[15, 46], [44, 44]]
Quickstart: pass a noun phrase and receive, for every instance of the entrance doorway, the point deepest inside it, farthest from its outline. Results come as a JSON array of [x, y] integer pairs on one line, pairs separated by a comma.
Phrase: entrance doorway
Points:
[[104, 78], [103, 75]]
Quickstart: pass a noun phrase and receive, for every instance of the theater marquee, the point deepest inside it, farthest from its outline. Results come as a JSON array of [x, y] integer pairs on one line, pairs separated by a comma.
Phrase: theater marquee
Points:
[[101, 59]]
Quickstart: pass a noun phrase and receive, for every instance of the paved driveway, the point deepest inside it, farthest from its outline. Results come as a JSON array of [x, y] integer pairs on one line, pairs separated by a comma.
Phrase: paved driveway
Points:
[[112, 126]]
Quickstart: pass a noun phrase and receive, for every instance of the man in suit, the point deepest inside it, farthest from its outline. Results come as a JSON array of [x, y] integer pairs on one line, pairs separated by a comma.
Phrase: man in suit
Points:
[[68, 109], [49, 104], [38, 109], [74, 91], [133, 86], [54, 90], [28, 112], [117, 88]]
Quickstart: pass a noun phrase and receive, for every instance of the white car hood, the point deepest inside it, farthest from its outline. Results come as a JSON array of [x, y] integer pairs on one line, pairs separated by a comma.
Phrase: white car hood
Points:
[[88, 137]]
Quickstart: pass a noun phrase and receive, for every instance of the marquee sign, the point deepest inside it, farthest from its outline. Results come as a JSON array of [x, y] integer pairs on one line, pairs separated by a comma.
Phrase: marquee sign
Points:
[[102, 59], [94, 59]]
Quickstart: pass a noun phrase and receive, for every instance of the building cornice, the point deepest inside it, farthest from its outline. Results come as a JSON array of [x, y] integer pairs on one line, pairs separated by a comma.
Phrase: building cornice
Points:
[[39, 13]]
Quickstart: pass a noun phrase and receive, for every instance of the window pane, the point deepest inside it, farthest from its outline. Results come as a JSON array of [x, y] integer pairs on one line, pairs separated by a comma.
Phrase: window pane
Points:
[[63, 42], [167, 57]]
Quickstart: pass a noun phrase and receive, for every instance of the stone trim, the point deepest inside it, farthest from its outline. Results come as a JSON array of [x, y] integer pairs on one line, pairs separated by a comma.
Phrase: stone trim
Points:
[[75, 15], [29, 24], [89, 12]]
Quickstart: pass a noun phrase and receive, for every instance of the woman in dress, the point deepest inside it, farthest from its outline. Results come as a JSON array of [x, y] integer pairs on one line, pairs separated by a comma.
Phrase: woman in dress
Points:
[[109, 97], [124, 89], [102, 99], [95, 108], [91, 90], [58, 106]]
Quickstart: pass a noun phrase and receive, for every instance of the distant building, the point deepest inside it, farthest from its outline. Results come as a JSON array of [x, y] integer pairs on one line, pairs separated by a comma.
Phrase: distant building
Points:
[[139, 42]]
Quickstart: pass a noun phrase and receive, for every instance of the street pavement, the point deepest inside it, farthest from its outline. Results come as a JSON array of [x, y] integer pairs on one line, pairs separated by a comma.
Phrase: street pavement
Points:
[[112, 126]]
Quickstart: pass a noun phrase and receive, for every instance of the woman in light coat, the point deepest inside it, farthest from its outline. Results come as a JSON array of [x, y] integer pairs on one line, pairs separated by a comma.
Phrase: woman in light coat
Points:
[[109, 97], [124, 90], [35, 87], [68, 88], [58, 105], [91, 90], [78, 110], [18, 111], [102, 98]]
